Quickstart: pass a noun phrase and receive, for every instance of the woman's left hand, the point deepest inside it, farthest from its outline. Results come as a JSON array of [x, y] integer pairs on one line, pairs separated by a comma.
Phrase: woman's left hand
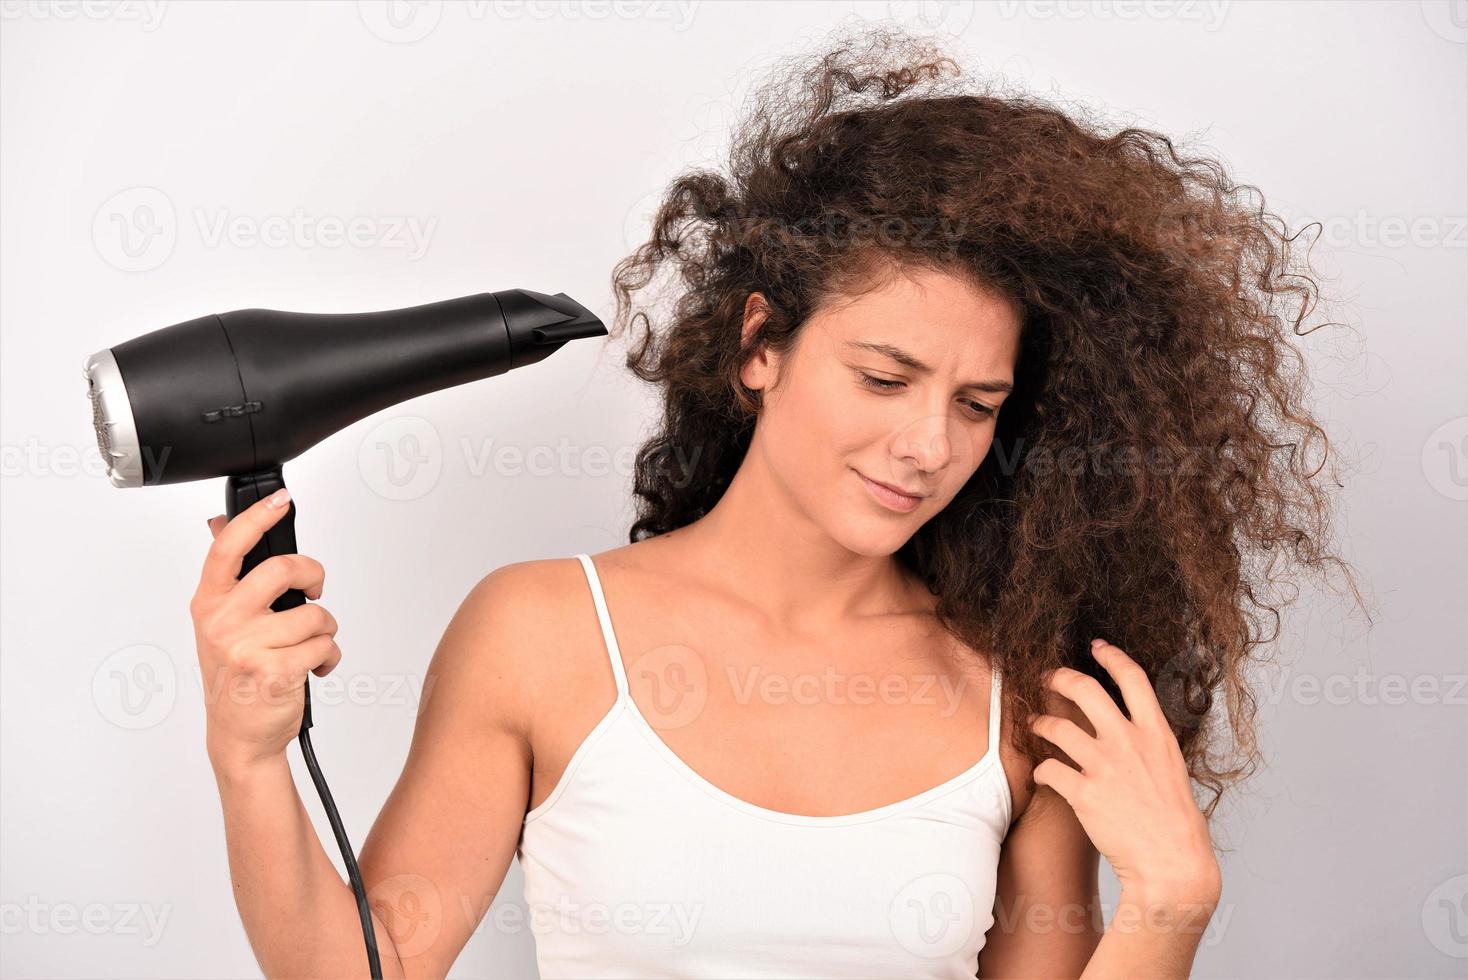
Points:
[[1132, 795]]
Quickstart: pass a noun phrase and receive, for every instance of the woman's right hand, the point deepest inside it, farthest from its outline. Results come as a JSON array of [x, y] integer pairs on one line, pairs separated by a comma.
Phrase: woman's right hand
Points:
[[254, 660]]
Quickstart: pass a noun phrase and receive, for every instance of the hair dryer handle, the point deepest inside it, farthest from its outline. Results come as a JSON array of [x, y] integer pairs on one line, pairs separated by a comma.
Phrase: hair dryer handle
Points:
[[241, 492]]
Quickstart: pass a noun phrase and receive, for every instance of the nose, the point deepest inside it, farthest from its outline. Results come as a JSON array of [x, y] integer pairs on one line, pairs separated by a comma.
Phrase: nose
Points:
[[924, 442]]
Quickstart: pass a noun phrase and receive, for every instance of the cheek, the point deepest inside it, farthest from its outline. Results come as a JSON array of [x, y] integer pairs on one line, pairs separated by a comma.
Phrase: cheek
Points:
[[828, 414], [982, 442], [971, 445], [808, 425]]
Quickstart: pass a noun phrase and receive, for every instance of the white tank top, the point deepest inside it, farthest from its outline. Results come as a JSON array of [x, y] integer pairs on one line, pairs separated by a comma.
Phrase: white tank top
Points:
[[637, 866]]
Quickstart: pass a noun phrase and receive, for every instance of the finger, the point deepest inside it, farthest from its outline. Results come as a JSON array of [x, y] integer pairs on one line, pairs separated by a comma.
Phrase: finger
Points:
[[1136, 688], [1089, 696], [292, 626], [264, 583], [1061, 778], [318, 654], [1084, 750], [334, 657], [216, 524], [227, 554]]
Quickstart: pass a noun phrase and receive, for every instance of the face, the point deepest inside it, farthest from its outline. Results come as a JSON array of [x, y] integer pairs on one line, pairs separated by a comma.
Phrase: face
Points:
[[899, 388]]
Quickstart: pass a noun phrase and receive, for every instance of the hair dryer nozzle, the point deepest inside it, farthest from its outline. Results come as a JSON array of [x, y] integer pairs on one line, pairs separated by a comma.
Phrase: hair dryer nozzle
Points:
[[539, 324]]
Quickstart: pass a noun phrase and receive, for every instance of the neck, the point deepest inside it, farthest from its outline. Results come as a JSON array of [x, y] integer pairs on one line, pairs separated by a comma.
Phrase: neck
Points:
[[759, 544]]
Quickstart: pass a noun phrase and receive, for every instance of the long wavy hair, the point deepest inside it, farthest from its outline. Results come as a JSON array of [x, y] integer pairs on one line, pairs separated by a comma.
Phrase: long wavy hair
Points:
[[1155, 471]]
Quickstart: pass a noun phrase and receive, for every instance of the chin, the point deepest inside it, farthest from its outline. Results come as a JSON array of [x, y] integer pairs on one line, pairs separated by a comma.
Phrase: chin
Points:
[[861, 536]]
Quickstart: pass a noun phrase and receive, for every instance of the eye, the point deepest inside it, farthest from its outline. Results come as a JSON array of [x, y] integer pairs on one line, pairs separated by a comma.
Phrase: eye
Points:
[[881, 384], [981, 410]]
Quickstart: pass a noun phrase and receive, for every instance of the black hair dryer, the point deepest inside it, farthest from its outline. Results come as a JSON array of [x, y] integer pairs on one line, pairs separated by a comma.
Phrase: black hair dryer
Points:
[[238, 394]]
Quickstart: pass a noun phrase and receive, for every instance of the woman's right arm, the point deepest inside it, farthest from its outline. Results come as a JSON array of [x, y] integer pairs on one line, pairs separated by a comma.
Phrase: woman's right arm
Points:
[[438, 852]]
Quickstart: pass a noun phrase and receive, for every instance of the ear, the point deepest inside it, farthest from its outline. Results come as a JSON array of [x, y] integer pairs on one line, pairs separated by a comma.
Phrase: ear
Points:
[[756, 309]]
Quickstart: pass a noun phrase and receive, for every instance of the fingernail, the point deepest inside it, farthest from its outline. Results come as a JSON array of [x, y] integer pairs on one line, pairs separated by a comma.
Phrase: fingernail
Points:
[[1095, 643], [278, 498]]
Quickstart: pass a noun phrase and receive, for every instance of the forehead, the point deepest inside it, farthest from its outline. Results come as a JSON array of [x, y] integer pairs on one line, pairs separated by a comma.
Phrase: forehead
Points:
[[931, 314]]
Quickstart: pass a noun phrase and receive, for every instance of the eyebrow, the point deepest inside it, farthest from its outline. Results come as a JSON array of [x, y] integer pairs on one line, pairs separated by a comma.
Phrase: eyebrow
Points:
[[901, 356]]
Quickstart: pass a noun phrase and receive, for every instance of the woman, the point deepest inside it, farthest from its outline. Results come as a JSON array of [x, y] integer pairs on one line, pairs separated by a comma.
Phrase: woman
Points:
[[977, 422]]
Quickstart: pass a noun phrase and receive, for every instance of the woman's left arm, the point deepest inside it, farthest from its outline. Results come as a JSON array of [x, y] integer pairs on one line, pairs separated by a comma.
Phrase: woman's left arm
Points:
[[1133, 796]]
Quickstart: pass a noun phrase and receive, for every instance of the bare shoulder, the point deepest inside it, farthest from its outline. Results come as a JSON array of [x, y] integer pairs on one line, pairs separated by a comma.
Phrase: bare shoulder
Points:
[[523, 588], [525, 642], [505, 642], [660, 556]]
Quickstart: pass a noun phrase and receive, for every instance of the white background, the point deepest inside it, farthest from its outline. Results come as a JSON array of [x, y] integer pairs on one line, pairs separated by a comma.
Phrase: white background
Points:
[[148, 154]]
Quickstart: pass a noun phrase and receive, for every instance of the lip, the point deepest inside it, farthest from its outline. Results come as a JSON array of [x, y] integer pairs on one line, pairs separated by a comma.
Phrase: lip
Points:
[[888, 495]]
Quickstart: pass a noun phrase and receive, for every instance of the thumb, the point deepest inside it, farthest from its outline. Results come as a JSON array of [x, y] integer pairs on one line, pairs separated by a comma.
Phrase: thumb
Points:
[[216, 524]]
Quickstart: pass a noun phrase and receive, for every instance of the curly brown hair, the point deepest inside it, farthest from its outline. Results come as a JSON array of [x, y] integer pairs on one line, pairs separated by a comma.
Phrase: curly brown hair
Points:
[[1151, 468]]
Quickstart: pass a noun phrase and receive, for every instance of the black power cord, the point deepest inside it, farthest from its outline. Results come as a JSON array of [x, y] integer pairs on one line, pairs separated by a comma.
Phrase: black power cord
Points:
[[369, 934]]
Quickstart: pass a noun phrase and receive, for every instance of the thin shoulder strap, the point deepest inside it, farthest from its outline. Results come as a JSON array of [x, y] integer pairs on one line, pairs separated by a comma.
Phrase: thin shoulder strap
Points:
[[995, 687], [609, 638]]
